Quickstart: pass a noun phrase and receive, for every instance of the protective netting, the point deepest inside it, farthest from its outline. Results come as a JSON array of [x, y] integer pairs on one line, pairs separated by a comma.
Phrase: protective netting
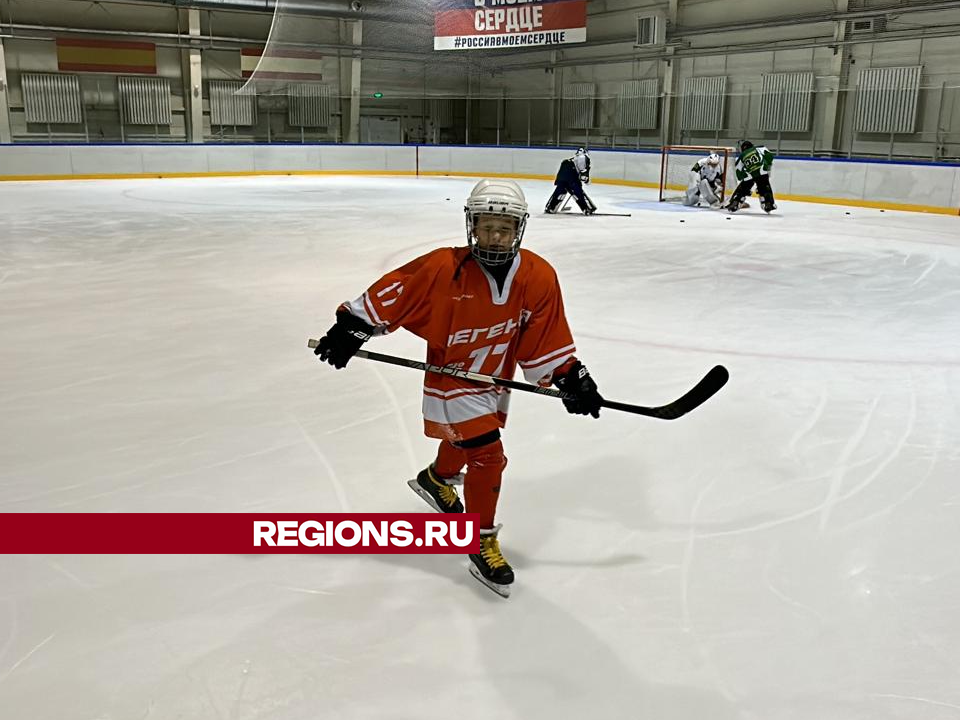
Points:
[[308, 82], [295, 53], [305, 47]]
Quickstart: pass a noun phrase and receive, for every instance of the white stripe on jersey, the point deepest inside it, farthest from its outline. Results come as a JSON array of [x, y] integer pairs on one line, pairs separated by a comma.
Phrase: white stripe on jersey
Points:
[[368, 303], [388, 289], [443, 394], [536, 375], [464, 407], [544, 358], [500, 298], [358, 308], [362, 308]]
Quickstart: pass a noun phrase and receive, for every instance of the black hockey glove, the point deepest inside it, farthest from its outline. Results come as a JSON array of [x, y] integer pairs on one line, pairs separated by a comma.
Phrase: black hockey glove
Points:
[[343, 340], [585, 178], [577, 382]]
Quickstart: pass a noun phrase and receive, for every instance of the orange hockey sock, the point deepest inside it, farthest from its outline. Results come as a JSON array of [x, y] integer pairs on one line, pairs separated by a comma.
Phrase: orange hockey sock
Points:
[[450, 460], [481, 488]]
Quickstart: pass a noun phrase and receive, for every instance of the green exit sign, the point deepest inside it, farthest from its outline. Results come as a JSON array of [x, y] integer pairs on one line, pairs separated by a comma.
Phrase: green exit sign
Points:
[[378, 95]]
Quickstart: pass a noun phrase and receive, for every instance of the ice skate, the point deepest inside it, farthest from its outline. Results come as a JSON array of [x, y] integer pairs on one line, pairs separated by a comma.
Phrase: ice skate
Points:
[[489, 566], [769, 207], [438, 492]]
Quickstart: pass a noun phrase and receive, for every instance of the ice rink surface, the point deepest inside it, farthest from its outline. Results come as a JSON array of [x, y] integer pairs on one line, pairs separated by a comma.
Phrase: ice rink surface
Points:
[[789, 551]]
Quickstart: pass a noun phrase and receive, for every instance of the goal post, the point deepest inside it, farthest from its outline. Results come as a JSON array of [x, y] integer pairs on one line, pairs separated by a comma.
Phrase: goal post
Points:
[[676, 162]]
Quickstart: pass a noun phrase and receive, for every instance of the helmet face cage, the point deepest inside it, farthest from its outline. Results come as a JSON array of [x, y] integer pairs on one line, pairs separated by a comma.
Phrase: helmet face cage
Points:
[[714, 159], [498, 198], [485, 255]]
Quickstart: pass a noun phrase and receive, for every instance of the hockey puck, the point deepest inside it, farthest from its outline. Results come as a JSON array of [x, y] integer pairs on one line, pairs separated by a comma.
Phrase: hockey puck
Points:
[[683, 221], [726, 218], [448, 198], [846, 213]]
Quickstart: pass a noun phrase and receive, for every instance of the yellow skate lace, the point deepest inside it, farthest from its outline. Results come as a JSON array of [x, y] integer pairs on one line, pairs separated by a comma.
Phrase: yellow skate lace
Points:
[[447, 493], [490, 551]]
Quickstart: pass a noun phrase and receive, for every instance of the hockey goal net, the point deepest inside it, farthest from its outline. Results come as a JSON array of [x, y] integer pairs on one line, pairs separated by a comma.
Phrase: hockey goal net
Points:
[[676, 161]]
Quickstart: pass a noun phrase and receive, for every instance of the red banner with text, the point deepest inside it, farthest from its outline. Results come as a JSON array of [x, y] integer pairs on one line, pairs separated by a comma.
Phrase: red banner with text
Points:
[[491, 24], [243, 533]]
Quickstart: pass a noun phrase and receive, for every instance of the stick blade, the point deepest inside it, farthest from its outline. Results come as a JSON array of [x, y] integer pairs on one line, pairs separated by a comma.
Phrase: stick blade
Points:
[[708, 386]]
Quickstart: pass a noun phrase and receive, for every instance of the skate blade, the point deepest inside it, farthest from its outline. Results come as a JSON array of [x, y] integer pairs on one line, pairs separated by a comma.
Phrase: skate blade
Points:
[[501, 590], [423, 494]]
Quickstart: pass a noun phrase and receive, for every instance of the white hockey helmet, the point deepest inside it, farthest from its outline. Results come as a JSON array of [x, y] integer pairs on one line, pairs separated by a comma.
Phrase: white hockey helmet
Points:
[[581, 151], [495, 196], [713, 159]]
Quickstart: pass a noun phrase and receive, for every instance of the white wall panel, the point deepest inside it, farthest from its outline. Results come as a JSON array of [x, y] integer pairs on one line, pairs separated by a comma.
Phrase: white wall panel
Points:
[[177, 159], [912, 184], [229, 158], [26, 160], [400, 158], [358, 157], [825, 179], [609, 165], [103, 160], [540, 162], [435, 158], [491, 160], [294, 157]]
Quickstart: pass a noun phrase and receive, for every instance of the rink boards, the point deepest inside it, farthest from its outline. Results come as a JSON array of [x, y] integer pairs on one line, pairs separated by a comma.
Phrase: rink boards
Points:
[[923, 187]]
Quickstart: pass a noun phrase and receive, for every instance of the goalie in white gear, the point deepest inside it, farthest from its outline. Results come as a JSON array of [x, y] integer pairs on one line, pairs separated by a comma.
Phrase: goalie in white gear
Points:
[[706, 182]]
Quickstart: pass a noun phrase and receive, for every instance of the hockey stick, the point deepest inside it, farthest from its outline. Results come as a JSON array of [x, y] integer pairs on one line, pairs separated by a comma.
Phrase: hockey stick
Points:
[[699, 394], [598, 214], [566, 202]]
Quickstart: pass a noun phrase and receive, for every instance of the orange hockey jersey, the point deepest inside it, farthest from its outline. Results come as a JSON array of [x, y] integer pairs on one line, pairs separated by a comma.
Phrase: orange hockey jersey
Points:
[[452, 302]]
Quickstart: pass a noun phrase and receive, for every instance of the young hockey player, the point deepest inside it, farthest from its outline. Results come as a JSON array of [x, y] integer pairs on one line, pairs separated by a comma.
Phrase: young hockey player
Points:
[[571, 176], [486, 308], [753, 166], [706, 182]]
